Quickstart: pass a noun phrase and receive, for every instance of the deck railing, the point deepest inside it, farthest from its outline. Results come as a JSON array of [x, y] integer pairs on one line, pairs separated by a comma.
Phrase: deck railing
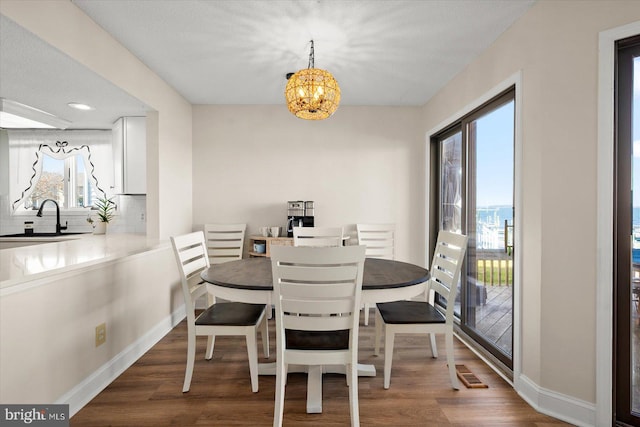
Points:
[[494, 267]]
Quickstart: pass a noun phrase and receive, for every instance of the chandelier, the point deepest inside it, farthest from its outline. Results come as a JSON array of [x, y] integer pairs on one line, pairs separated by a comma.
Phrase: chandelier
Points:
[[312, 93]]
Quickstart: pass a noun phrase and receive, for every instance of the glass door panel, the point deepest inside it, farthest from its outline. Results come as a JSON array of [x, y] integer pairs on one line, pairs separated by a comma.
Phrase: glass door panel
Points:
[[627, 235], [489, 281], [475, 197], [451, 190], [634, 290]]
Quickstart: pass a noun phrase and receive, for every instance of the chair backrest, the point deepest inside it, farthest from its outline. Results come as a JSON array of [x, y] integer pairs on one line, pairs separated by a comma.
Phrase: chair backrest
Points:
[[317, 236], [191, 256], [446, 267], [225, 242], [317, 289], [378, 238]]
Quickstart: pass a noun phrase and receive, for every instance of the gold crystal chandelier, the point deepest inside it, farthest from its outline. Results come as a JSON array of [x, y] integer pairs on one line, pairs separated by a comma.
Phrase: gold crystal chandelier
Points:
[[312, 93]]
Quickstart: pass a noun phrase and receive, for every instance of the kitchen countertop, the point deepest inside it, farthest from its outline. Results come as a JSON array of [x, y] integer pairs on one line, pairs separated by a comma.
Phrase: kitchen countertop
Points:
[[23, 264]]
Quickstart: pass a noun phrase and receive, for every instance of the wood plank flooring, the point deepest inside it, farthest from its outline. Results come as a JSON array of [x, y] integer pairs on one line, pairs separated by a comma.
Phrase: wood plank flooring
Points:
[[150, 392]]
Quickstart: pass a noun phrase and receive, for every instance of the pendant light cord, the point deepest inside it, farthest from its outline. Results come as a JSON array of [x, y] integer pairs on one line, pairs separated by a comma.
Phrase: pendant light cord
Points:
[[311, 57]]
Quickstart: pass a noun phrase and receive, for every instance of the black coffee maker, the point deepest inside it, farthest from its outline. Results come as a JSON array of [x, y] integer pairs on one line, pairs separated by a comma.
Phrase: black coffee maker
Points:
[[299, 214]]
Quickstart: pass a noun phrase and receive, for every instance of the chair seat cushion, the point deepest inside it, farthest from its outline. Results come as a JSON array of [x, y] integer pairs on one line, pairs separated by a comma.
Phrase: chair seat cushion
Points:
[[231, 314], [406, 312], [317, 340]]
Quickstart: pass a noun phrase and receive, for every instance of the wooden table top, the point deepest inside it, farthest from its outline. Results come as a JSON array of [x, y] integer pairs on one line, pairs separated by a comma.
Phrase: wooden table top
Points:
[[255, 274]]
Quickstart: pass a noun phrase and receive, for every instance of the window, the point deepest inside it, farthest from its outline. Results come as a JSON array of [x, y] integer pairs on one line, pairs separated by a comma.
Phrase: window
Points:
[[71, 167], [65, 181]]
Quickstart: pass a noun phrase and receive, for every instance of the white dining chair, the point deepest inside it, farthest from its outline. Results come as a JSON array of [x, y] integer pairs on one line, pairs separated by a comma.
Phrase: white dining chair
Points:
[[224, 318], [426, 317], [317, 236], [225, 242], [317, 293], [380, 242]]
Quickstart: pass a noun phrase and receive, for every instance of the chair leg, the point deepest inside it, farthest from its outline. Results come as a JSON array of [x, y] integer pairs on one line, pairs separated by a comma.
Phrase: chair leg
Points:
[[347, 375], [451, 360], [434, 347], [389, 338], [378, 336], [366, 314], [252, 351], [191, 356], [353, 395], [264, 335], [281, 379], [211, 341]]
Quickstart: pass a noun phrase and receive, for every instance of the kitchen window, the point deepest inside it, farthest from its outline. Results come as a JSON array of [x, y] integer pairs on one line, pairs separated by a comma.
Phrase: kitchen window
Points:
[[64, 180], [70, 167]]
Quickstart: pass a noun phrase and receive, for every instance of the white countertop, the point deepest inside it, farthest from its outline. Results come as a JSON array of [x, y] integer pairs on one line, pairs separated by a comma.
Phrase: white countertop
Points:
[[22, 264]]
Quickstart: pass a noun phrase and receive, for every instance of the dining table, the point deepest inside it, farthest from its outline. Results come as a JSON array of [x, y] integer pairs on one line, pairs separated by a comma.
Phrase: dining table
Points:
[[250, 280]]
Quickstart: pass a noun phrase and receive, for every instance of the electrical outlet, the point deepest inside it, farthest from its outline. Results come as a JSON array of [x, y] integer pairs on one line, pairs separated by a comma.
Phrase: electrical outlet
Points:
[[101, 334]]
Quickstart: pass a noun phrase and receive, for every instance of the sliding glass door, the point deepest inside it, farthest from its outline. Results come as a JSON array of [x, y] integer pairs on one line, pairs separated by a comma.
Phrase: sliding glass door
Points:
[[627, 235], [476, 173]]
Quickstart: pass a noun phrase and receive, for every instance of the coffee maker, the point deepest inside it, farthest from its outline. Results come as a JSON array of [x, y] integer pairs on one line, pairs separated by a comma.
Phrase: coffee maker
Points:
[[299, 214]]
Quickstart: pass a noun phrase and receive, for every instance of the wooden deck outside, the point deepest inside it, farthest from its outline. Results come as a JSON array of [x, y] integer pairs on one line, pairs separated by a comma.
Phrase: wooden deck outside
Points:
[[494, 320], [494, 278]]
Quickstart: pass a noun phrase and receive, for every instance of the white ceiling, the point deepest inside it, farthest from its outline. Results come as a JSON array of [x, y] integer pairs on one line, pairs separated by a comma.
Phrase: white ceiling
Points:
[[382, 52]]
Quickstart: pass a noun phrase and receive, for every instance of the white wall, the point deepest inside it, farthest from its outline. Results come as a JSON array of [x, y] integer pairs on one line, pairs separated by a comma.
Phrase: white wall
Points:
[[364, 164], [48, 351], [555, 45], [64, 26]]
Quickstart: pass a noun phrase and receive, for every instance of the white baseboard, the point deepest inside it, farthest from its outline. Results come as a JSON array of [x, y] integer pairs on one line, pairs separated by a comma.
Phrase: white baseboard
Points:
[[557, 405], [91, 386]]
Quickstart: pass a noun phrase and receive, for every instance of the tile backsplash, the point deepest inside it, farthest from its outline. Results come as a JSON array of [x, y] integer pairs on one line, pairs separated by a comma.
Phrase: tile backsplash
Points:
[[131, 217]]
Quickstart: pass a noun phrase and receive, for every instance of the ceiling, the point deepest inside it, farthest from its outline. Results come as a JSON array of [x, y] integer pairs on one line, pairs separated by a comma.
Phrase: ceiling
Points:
[[381, 52]]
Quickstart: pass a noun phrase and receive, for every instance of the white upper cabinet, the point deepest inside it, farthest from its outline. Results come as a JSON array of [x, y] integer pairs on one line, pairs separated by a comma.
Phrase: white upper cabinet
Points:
[[130, 155]]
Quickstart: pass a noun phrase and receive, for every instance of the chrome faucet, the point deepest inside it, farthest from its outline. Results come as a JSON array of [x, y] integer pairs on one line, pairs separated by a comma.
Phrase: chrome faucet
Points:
[[59, 227]]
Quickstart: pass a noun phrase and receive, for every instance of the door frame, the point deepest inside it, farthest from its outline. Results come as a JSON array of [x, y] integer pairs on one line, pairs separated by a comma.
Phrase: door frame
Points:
[[605, 219], [514, 80]]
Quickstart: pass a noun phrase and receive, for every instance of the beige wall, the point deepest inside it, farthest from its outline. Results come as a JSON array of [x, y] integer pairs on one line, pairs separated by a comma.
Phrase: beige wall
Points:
[[364, 164], [555, 46], [64, 26]]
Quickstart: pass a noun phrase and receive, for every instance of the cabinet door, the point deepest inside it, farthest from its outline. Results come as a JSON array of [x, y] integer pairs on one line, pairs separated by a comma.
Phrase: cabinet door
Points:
[[135, 155], [118, 155], [130, 155]]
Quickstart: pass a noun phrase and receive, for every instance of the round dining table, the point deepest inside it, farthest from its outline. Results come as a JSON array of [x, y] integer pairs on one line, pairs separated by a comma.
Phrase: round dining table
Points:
[[250, 280]]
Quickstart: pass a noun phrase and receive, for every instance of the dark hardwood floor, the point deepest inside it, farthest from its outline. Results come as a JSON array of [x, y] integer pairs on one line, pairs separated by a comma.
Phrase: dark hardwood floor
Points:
[[150, 392]]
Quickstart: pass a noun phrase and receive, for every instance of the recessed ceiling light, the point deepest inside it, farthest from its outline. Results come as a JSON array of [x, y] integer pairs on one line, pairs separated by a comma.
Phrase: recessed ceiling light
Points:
[[79, 106]]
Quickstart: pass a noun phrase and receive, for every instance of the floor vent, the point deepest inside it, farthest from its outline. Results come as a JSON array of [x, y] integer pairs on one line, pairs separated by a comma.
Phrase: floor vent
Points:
[[468, 378]]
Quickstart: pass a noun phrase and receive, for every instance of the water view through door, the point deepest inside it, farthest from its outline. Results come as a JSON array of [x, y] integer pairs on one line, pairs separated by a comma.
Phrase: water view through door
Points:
[[476, 198]]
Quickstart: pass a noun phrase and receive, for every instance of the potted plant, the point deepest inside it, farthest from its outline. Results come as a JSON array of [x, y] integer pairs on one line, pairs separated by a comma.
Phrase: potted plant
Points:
[[105, 209]]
